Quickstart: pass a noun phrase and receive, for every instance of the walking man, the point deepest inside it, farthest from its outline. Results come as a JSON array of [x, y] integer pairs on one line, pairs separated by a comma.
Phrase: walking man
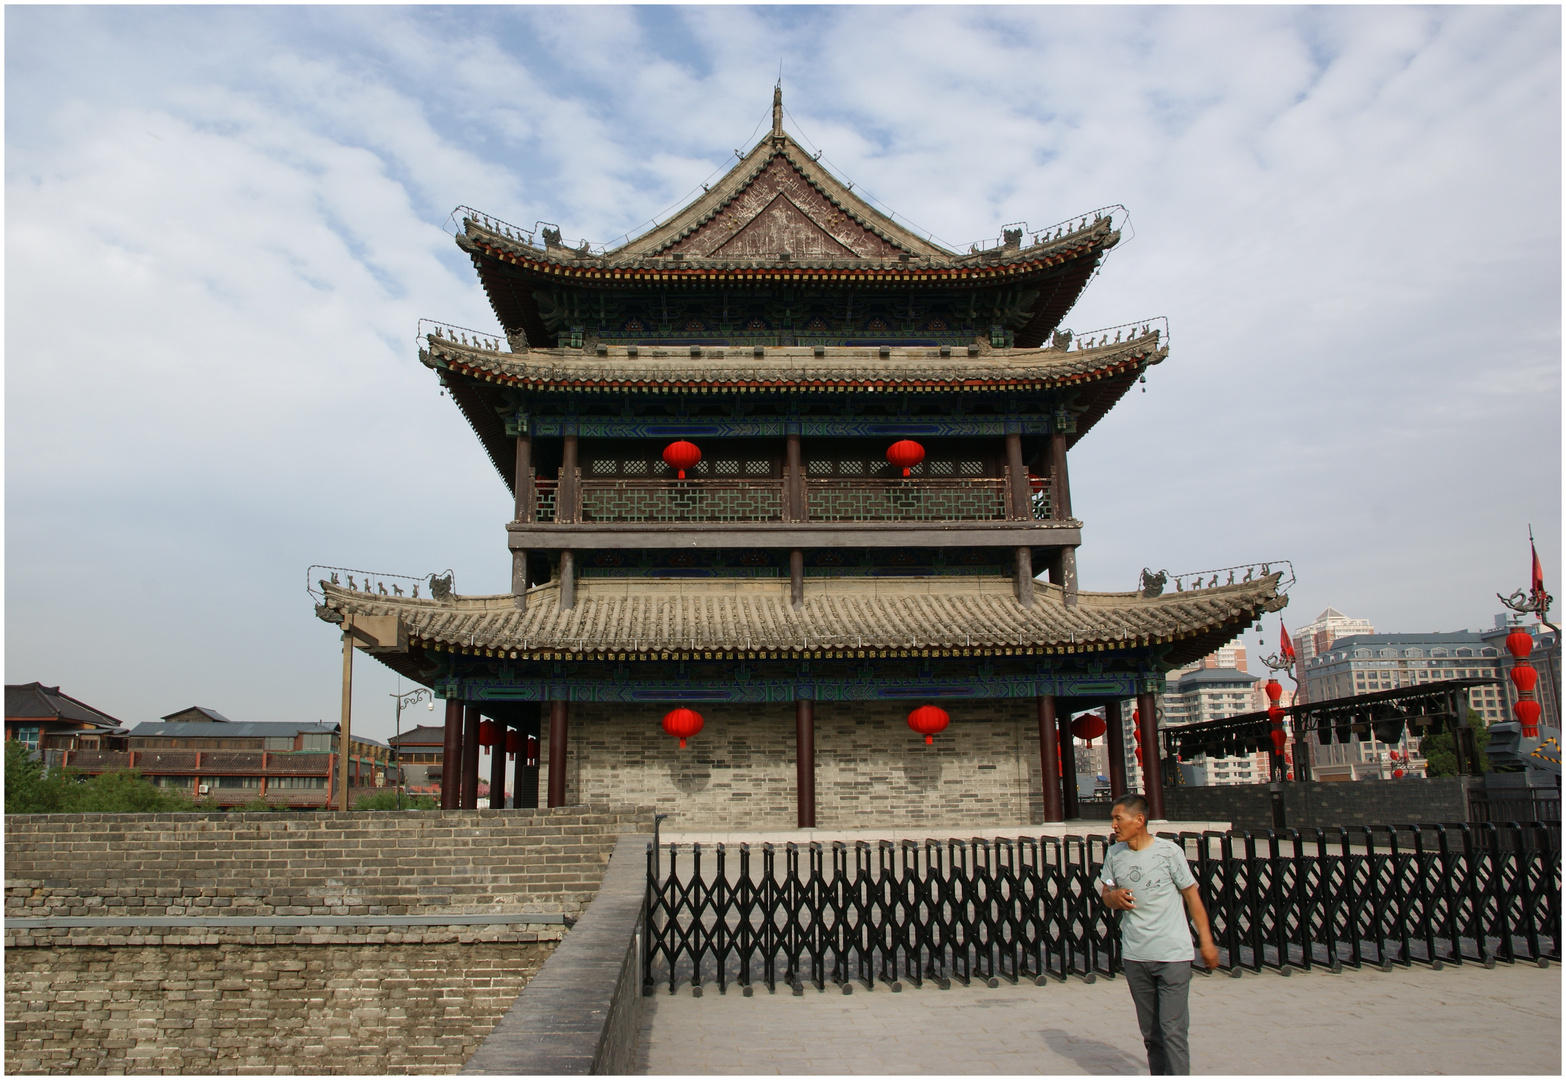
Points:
[[1145, 879]]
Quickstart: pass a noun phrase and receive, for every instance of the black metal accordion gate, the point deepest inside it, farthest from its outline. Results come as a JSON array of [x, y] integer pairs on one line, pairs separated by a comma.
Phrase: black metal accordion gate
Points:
[[1028, 908]]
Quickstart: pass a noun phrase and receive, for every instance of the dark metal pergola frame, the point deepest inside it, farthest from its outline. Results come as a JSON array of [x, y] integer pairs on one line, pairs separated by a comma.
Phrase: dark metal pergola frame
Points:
[[1385, 713]]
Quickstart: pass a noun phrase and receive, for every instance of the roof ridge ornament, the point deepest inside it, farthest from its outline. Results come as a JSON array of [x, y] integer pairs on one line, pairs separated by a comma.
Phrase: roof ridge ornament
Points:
[[777, 110]]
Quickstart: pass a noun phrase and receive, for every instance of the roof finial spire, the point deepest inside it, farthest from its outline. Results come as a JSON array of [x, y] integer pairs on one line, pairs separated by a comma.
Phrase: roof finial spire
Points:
[[777, 109]]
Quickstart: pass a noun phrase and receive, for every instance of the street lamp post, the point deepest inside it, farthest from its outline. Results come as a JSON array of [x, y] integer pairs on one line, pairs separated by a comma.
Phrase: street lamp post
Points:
[[403, 701]]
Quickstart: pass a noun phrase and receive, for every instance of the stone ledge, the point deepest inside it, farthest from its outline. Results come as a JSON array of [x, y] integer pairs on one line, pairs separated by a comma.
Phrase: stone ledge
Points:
[[581, 1013]]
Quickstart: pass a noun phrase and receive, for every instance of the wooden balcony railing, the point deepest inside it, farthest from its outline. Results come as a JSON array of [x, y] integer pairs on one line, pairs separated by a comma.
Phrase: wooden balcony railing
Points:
[[907, 500], [764, 500], [681, 500]]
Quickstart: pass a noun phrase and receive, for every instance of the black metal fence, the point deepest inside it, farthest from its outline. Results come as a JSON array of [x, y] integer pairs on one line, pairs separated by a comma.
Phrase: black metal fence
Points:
[[1029, 908]]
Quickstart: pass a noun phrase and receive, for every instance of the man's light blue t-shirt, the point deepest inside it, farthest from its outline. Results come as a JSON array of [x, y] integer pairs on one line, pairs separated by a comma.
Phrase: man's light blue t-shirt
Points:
[[1155, 930]]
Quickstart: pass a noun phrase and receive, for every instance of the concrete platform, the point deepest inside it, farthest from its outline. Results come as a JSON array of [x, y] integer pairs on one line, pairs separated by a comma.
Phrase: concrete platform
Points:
[[1459, 1020]]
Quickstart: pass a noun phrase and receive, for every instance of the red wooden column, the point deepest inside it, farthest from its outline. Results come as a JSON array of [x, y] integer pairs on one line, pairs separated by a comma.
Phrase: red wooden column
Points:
[[794, 510], [567, 499], [497, 768], [559, 713], [524, 512], [1063, 564], [470, 758], [805, 761], [1116, 746], [1049, 759], [1068, 769], [451, 758], [1152, 766]]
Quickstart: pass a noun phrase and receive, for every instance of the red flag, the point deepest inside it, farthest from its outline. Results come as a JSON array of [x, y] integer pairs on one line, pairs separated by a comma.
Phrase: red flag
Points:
[[1538, 573], [1288, 646]]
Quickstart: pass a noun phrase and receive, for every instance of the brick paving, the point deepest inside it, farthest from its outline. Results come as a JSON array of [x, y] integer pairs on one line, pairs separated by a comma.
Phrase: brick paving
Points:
[[1461, 1020]]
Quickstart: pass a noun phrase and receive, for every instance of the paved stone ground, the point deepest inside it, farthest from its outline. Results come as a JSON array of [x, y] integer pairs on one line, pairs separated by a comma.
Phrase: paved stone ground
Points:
[[1458, 1020]]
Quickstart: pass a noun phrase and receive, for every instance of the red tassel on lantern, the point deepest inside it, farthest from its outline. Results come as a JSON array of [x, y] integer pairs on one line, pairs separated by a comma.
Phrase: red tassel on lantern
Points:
[[905, 454], [682, 723], [928, 721], [1519, 643], [681, 455], [1527, 713], [513, 744], [486, 734], [1524, 677]]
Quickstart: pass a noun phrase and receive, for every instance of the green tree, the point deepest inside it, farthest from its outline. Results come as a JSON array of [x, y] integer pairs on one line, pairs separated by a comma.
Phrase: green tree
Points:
[[1441, 755], [30, 789], [387, 800]]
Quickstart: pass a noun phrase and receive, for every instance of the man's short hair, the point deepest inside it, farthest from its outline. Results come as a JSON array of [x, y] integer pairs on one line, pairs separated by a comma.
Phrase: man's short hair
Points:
[[1134, 804]]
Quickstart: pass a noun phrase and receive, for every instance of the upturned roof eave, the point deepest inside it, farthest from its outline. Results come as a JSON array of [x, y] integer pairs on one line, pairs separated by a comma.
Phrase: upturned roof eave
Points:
[[968, 618], [793, 366], [648, 268]]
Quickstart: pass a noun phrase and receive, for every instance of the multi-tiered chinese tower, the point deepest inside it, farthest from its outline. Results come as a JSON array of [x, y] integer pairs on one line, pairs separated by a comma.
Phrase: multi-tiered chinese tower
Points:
[[883, 428]]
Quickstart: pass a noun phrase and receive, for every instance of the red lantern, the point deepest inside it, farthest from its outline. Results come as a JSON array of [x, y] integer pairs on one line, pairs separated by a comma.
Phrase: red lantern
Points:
[[1088, 726], [1397, 774], [513, 744], [486, 734], [532, 750], [1528, 714], [928, 721], [1274, 690], [1278, 740], [682, 723], [680, 456], [1139, 755], [905, 454], [1524, 677], [1519, 643]]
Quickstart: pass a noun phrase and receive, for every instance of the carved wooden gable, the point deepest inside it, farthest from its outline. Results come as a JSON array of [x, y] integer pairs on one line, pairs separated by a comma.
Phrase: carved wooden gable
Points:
[[780, 211]]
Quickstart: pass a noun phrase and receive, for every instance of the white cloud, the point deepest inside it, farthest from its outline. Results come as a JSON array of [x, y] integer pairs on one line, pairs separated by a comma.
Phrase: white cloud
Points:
[[223, 224]]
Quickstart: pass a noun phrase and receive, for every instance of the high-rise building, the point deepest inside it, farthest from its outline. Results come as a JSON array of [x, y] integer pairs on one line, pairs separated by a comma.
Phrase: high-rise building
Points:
[[1313, 640]]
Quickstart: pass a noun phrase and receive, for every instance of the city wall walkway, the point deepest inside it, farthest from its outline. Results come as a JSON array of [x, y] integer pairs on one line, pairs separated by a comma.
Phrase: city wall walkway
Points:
[[1457, 1020]]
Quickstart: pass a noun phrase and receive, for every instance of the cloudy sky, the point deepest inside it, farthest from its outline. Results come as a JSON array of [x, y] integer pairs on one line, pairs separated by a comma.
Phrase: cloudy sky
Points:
[[222, 225]]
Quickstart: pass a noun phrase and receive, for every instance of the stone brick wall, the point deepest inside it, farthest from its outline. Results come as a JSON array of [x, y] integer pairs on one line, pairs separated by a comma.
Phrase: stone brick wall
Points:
[[1318, 804], [871, 769], [258, 1009], [300, 998], [354, 863]]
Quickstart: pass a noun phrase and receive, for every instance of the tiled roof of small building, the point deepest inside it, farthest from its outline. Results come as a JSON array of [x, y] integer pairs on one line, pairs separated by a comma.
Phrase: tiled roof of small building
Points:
[[46, 702], [866, 368], [648, 618]]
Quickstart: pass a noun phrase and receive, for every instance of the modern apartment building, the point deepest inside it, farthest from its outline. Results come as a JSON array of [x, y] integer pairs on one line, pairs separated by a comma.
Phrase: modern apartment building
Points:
[[1215, 693], [1367, 663]]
